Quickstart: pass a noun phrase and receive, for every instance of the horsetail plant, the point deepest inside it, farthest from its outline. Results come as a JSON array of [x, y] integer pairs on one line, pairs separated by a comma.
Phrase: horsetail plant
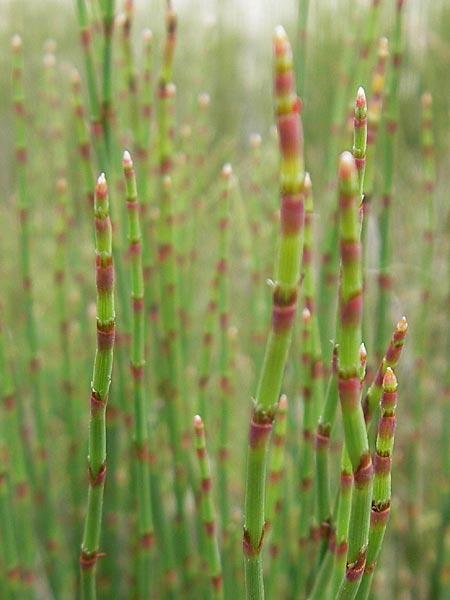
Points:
[[137, 363], [382, 463], [208, 512], [391, 116], [287, 108], [349, 370], [101, 380]]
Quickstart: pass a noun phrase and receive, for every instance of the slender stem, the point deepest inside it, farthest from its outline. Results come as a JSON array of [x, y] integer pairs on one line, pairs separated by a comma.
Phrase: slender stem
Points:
[[283, 310], [99, 390]]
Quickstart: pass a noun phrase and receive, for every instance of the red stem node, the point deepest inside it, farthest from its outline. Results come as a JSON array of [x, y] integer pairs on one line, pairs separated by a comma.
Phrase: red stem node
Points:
[[355, 570], [292, 214], [291, 142], [364, 472], [351, 311], [259, 433], [382, 464]]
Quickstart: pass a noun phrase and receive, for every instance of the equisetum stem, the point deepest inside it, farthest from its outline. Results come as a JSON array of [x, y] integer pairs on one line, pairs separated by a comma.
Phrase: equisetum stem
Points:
[[208, 512], [137, 364], [283, 310], [349, 371], [99, 390], [382, 463]]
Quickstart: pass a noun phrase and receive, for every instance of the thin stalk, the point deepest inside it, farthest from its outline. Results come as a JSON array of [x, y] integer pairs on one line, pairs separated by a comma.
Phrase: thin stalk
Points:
[[208, 512], [384, 278], [283, 311], [349, 370], [137, 365], [101, 380], [382, 463]]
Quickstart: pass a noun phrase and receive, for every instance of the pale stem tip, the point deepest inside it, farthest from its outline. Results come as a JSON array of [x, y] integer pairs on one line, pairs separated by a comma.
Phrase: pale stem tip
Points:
[[148, 35], [204, 100], [126, 159], [427, 100], [360, 97], [171, 89], [198, 421], [383, 47], [307, 184], [402, 325], [101, 181], [280, 33], [306, 315], [232, 333], [363, 354], [255, 140], [75, 77], [346, 165], [389, 380], [16, 42], [227, 171], [282, 404]]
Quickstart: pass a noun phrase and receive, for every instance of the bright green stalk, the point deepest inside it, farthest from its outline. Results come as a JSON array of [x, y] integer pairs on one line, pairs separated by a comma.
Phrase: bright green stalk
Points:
[[16, 565], [339, 545], [19, 479], [99, 390], [306, 468], [369, 35], [24, 205], [276, 463], [131, 76], [9, 552], [349, 370], [42, 472], [374, 116], [206, 349], [106, 107], [174, 390], [382, 462], [94, 103], [384, 279], [300, 53], [223, 273], [255, 217], [360, 137], [275, 501], [60, 273], [373, 395], [145, 522], [324, 428], [83, 138], [208, 513], [283, 310], [165, 142]]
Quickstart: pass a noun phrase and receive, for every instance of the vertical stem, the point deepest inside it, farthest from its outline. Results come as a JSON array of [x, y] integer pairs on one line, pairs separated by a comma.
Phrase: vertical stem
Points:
[[283, 310], [99, 390]]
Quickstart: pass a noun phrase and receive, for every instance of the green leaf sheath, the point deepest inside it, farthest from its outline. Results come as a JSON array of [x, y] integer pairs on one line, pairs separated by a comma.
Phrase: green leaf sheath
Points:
[[382, 463], [208, 512], [99, 389], [287, 108], [349, 369], [137, 365]]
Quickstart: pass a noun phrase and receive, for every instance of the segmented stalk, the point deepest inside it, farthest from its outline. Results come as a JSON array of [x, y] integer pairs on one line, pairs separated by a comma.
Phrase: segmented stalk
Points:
[[382, 462], [382, 322], [137, 364], [349, 370], [83, 138], [208, 512], [372, 397], [99, 390], [283, 310]]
